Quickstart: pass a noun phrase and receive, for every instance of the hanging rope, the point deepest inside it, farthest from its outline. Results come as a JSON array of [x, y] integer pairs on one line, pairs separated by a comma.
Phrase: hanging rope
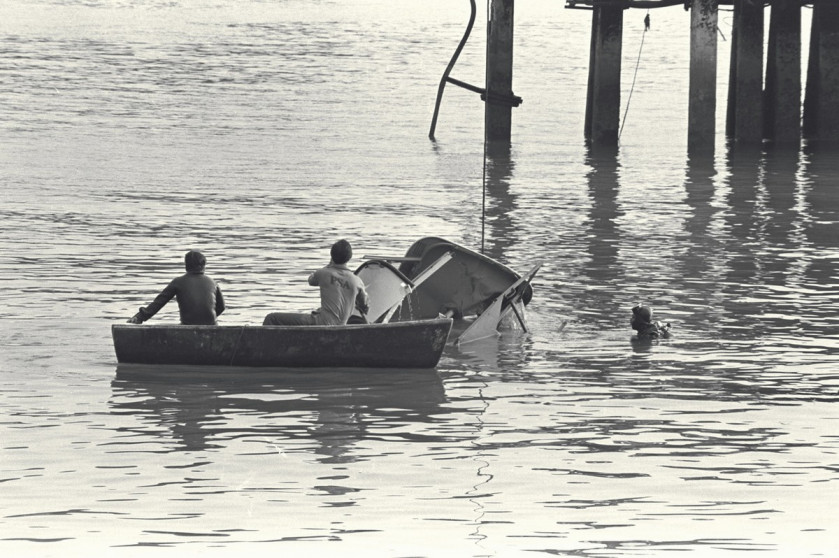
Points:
[[635, 76]]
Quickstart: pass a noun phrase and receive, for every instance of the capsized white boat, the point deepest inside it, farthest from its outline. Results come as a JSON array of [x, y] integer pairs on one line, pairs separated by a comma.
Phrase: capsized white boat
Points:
[[436, 278]]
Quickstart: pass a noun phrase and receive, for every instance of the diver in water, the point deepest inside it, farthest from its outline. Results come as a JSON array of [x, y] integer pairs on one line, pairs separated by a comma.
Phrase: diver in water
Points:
[[642, 322]]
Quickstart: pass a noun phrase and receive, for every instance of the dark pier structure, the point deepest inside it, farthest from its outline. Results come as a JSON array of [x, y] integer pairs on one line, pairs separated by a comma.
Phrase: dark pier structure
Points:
[[759, 107]]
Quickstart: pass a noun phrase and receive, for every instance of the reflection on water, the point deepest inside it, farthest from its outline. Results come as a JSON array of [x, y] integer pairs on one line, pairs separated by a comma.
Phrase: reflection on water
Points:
[[330, 407], [821, 198], [698, 265], [773, 275], [502, 232], [602, 234]]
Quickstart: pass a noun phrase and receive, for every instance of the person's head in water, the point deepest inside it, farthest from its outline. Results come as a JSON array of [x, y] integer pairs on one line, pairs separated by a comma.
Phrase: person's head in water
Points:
[[195, 261], [642, 317], [642, 313], [341, 252], [642, 322]]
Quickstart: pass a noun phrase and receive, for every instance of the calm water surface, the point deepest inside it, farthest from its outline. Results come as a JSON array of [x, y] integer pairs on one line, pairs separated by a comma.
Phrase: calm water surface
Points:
[[259, 132]]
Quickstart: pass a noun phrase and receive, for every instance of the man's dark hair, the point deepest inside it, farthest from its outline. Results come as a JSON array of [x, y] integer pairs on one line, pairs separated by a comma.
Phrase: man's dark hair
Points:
[[195, 261], [341, 252]]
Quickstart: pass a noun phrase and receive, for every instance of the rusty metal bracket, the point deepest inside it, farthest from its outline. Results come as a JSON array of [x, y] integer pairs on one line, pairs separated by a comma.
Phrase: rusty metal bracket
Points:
[[491, 97], [445, 77]]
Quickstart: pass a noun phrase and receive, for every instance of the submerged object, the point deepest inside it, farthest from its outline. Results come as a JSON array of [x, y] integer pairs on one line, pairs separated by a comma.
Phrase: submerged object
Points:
[[410, 344], [437, 277]]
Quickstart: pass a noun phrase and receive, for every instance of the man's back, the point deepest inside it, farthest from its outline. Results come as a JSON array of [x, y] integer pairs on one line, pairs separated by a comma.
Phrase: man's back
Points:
[[339, 288], [197, 297]]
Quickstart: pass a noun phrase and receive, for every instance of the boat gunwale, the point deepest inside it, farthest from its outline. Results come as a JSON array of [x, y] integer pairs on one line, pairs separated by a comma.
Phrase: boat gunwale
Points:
[[389, 325]]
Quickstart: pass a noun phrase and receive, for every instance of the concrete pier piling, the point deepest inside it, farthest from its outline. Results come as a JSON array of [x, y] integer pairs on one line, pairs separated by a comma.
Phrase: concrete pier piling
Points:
[[821, 104], [782, 96], [702, 103], [757, 110], [745, 90], [499, 72], [604, 90]]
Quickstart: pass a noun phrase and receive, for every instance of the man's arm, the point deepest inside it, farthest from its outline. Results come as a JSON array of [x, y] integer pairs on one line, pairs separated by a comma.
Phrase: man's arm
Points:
[[159, 302]]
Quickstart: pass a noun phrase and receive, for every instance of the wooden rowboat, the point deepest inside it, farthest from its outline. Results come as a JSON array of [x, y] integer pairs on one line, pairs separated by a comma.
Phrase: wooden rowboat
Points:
[[413, 344]]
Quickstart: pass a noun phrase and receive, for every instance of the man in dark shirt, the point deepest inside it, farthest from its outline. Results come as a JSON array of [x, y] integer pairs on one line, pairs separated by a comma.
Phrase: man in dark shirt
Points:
[[199, 297]]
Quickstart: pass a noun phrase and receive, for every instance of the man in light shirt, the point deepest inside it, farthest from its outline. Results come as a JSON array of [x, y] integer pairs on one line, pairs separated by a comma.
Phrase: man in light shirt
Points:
[[340, 291]]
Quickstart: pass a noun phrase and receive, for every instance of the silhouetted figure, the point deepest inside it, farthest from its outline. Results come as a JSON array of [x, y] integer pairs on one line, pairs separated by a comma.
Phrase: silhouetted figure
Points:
[[199, 298]]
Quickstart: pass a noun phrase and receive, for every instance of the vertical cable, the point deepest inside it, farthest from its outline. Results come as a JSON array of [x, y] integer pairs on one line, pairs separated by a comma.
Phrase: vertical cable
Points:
[[486, 100], [634, 77]]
